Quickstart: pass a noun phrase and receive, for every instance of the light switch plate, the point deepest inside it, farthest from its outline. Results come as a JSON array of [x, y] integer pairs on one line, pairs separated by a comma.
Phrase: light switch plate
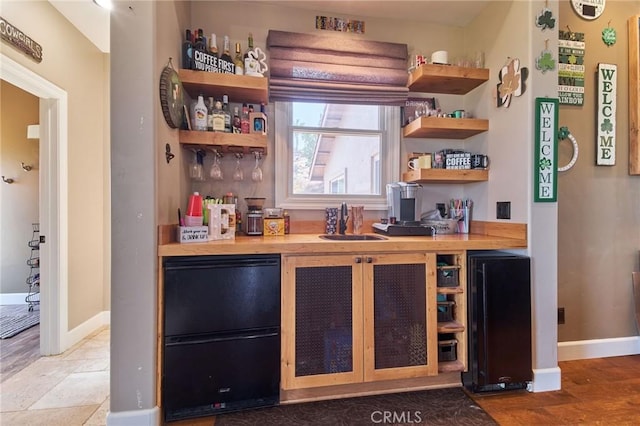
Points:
[[503, 210]]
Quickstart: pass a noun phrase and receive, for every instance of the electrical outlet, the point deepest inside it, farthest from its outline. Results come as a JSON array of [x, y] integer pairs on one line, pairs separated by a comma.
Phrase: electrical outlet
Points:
[[560, 315], [503, 210]]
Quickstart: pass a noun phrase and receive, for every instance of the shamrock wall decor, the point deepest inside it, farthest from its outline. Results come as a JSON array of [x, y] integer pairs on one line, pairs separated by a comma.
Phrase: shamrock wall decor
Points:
[[609, 36], [545, 61], [512, 79], [545, 19]]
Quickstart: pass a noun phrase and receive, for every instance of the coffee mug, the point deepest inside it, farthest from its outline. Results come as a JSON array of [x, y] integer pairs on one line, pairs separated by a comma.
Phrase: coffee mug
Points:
[[422, 162], [479, 161]]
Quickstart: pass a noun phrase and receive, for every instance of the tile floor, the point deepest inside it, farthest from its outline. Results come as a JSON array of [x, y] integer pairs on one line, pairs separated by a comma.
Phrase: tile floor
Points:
[[66, 390]]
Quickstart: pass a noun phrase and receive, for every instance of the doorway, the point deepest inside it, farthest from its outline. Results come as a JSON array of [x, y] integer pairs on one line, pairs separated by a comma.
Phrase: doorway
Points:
[[53, 197]]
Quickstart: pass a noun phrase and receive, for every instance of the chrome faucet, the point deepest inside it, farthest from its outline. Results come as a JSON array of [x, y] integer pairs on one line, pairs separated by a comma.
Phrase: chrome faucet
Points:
[[344, 217]]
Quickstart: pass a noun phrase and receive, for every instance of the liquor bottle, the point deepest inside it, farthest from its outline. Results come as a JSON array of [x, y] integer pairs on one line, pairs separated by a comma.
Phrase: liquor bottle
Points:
[[236, 124], [200, 112], [238, 61], [200, 44], [249, 49], [218, 118], [213, 45], [227, 113], [244, 119], [187, 52], [210, 114], [226, 57]]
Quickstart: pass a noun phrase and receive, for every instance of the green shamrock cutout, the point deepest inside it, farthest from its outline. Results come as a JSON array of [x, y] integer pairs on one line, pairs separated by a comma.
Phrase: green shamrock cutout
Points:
[[546, 20], [545, 61], [606, 126], [609, 36], [563, 133], [545, 163]]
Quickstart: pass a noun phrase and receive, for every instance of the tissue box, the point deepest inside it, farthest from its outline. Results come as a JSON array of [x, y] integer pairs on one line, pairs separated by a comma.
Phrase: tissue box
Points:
[[193, 234]]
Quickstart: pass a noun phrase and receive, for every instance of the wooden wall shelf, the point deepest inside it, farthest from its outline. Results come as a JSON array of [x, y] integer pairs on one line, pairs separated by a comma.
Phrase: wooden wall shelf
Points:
[[445, 128], [228, 142], [446, 176], [449, 79], [239, 88]]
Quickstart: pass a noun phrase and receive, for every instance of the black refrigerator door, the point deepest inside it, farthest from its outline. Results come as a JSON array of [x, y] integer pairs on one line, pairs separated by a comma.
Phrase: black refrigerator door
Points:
[[500, 319], [210, 294], [221, 374]]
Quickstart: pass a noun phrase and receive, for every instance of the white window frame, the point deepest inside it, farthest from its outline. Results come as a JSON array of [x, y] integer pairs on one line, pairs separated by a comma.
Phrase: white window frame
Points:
[[389, 164]]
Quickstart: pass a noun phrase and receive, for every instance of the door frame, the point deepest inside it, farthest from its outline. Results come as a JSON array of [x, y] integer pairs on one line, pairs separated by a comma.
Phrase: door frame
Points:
[[53, 200]]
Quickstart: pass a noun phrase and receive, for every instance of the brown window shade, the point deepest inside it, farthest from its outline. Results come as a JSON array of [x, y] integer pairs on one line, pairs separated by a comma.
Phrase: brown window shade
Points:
[[311, 67]]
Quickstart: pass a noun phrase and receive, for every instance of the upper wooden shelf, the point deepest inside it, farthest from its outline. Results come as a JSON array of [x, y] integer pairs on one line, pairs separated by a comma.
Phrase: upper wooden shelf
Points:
[[227, 142], [445, 176], [239, 88], [445, 127], [449, 79]]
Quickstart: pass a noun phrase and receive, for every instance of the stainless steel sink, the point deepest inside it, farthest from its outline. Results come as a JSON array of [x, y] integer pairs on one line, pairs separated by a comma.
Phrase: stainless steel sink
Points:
[[352, 237]]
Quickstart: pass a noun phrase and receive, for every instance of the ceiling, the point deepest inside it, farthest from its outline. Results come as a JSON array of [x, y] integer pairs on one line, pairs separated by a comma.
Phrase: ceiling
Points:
[[93, 21]]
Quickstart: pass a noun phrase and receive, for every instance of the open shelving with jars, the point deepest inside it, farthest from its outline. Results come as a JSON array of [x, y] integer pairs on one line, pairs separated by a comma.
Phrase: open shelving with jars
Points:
[[453, 80], [239, 88]]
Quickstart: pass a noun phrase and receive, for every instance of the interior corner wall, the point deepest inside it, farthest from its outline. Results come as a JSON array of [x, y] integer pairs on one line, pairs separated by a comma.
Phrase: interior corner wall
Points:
[[19, 200], [599, 206]]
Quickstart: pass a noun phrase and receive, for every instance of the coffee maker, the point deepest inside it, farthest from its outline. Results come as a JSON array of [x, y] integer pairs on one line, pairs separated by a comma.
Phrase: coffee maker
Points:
[[404, 204]]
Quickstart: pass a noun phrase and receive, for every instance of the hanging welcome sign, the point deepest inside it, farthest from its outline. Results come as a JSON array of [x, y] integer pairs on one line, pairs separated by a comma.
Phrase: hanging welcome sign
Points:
[[607, 84], [546, 156]]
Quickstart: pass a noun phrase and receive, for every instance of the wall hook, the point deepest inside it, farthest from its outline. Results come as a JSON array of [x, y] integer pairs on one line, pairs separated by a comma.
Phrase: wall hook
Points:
[[7, 180], [168, 154], [26, 168]]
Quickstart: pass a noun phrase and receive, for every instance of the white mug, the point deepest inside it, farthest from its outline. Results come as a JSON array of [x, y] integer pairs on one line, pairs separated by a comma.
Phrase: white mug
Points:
[[422, 162]]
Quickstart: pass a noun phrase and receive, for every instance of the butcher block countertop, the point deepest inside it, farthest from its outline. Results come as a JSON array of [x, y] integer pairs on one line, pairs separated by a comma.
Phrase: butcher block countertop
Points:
[[487, 236]]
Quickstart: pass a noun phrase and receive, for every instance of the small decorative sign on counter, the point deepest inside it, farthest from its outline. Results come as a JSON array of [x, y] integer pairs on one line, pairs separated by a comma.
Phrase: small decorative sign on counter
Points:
[[193, 234], [546, 154]]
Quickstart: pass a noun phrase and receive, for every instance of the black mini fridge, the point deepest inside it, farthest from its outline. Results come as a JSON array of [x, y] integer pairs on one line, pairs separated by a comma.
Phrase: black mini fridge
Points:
[[499, 314]]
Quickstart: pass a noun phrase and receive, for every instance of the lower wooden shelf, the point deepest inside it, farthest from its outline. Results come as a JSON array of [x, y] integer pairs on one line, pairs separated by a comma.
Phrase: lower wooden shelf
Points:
[[228, 142], [446, 176], [450, 327]]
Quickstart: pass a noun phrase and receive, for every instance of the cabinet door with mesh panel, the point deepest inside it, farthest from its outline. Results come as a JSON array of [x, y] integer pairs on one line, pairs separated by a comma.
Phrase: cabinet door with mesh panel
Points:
[[399, 317], [321, 321]]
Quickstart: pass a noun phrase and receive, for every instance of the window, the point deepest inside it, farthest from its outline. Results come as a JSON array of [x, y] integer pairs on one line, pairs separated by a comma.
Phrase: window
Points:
[[330, 153]]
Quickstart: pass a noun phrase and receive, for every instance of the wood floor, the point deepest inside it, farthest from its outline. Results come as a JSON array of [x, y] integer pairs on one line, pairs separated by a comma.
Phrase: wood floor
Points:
[[19, 351], [601, 391]]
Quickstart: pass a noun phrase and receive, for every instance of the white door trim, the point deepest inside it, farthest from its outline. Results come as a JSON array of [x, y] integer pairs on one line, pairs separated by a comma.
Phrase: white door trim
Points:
[[53, 202]]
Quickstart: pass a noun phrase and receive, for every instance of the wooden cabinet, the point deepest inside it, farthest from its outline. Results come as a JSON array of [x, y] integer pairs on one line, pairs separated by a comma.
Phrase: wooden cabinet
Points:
[[239, 88], [358, 318], [431, 78], [452, 311]]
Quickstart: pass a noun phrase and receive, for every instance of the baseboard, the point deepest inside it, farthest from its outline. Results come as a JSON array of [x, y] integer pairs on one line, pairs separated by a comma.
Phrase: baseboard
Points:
[[86, 328], [13, 298], [546, 379], [600, 348], [148, 417]]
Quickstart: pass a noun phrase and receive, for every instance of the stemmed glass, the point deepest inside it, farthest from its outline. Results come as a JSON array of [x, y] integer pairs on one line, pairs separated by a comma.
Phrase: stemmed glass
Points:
[[238, 174], [215, 172], [195, 170], [256, 174]]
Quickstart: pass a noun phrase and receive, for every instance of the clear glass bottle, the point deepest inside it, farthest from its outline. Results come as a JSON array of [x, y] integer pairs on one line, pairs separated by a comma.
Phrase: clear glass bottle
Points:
[[213, 45], [236, 124], [218, 117], [227, 113], [238, 60]]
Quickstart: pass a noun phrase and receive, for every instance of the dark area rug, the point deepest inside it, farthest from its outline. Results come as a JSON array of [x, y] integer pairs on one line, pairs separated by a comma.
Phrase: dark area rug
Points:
[[449, 406], [17, 318]]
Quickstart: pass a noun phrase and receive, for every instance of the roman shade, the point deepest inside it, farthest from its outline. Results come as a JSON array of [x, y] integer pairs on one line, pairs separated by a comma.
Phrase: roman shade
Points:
[[336, 69]]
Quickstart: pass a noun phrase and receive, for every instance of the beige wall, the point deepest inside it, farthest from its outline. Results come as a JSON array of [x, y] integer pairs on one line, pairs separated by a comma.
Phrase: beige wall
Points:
[[18, 201], [598, 206], [75, 65]]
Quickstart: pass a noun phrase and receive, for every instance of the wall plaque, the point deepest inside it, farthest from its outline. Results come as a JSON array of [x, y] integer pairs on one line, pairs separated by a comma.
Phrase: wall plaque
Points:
[[607, 87], [20, 40], [546, 155]]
